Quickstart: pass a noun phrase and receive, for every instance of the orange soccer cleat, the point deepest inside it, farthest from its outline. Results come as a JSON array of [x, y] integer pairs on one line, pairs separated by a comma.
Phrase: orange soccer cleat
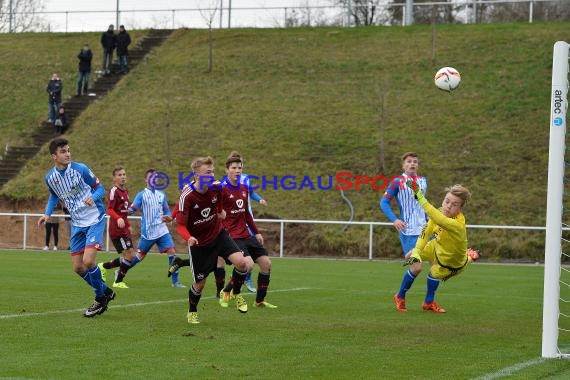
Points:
[[400, 303], [433, 306]]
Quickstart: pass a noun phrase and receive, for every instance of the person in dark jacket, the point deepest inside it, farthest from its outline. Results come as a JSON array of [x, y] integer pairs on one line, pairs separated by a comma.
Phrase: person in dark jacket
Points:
[[123, 42], [108, 42], [85, 56], [61, 124], [54, 88]]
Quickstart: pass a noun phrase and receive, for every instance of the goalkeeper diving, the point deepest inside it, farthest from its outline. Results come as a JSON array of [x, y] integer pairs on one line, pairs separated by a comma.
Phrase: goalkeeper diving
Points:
[[443, 241]]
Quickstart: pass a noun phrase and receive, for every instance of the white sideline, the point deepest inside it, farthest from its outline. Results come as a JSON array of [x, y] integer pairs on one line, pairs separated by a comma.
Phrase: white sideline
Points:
[[23, 315], [510, 370]]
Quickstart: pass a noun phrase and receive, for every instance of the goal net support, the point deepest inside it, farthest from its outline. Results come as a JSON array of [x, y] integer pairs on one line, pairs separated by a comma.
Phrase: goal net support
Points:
[[556, 307]]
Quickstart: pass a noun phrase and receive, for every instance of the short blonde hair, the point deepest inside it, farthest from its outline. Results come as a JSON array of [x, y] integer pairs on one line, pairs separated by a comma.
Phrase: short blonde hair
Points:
[[202, 161], [459, 191]]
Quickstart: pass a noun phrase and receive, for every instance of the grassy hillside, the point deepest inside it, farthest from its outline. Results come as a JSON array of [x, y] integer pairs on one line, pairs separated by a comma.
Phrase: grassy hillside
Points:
[[28, 61], [307, 102]]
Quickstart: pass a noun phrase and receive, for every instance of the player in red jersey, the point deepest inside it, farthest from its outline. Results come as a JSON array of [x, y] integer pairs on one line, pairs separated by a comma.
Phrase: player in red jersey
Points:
[[199, 224], [235, 202], [119, 228]]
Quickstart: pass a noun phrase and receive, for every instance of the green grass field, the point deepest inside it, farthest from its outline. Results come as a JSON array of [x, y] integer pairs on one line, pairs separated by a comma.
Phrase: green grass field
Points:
[[336, 320]]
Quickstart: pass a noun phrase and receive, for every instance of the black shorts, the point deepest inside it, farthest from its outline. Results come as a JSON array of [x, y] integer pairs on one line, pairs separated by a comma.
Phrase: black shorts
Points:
[[205, 258], [251, 247], [122, 244]]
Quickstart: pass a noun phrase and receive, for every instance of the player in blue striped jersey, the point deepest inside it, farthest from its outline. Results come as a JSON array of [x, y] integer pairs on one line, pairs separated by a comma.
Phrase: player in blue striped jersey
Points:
[[80, 191], [155, 214], [411, 219]]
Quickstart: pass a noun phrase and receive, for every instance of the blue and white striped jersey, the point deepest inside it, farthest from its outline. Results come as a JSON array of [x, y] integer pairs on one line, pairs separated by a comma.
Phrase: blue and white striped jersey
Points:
[[410, 210], [72, 186], [153, 206]]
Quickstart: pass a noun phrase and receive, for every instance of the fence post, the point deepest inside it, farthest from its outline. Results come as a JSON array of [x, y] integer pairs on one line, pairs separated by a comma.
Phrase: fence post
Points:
[[530, 10], [25, 230], [281, 233], [370, 248]]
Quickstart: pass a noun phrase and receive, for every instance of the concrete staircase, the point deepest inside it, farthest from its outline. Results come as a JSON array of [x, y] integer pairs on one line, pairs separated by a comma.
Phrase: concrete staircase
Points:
[[14, 158]]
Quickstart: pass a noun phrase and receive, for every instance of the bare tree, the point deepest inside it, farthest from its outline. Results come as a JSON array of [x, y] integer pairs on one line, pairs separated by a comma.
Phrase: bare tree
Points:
[[542, 11], [209, 14], [21, 16], [361, 12]]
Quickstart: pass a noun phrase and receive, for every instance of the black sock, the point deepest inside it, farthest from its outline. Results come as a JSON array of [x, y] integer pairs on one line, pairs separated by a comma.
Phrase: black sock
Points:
[[220, 275], [262, 285], [193, 299], [238, 278], [124, 267]]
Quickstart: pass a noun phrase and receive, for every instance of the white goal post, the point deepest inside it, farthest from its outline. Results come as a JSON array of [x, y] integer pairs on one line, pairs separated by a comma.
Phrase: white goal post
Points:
[[553, 250]]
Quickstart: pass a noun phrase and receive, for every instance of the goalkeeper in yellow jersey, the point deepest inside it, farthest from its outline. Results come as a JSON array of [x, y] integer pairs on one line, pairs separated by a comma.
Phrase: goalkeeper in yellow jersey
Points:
[[443, 241]]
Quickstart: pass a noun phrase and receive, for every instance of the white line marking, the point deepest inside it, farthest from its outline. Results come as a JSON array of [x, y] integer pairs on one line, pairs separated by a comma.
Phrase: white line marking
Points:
[[511, 370], [138, 304]]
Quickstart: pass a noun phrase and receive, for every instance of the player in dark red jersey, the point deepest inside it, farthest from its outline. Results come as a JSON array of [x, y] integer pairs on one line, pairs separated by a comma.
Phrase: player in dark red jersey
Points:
[[119, 228], [199, 224], [235, 202]]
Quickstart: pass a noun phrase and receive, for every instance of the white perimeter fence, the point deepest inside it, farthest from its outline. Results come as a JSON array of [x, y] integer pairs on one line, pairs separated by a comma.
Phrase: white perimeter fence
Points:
[[88, 16], [21, 231]]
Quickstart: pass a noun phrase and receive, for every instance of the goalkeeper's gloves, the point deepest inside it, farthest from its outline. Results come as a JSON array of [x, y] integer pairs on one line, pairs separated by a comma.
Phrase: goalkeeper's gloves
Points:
[[414, 257], [473, 254], [415, 187]]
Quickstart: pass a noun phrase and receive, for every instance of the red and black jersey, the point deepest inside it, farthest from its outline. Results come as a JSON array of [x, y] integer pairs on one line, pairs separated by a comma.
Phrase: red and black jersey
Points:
[[197, 214], [117, 207], [238, 218]]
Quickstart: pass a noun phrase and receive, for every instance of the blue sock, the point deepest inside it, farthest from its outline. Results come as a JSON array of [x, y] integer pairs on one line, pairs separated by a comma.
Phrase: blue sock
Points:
[[174, 276], [135, 261], [248, 277], [407, 282], [432, 285], [87, 278], [96, 281]]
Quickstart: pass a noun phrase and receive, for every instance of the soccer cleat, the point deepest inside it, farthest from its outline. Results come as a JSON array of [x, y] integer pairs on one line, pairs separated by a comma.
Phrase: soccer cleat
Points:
[[46, 248], [103, 272], [400, 303], [120, 285], [433, 306], [55, 248], [265, 304], [178, 285], [97, 307], [193, 317], [175, 265], [110, 294], [241, 304], [224, 299], [249, 285]]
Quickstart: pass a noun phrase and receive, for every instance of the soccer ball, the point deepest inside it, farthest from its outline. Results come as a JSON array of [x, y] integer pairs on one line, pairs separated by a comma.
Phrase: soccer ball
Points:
[[447, 79]]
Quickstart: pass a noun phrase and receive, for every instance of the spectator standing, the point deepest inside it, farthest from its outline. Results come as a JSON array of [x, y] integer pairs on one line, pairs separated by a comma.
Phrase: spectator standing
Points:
[[52, 225], [108, 42], [60, 124], [54, 88], [123, 42], [85, 56]]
